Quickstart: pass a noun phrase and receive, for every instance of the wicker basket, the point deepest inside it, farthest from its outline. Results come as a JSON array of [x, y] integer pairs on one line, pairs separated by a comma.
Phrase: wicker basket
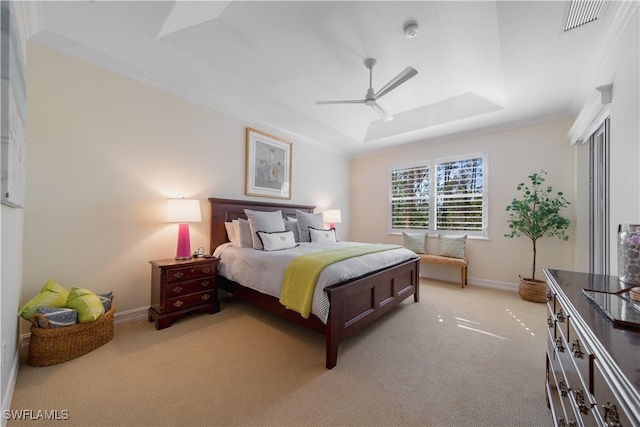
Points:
[[532, 290], [52, 346]]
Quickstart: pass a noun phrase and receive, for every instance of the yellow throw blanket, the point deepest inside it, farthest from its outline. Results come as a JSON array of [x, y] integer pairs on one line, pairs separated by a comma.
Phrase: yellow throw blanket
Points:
[[302, 273]]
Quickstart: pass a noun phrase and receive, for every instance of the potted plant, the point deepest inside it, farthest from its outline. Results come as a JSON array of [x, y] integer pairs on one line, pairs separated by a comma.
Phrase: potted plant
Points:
[[536, 214]]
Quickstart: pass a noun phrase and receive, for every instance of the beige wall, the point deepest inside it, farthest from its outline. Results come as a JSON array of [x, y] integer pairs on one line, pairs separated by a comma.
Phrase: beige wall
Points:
[[104, 153], [513, 155]]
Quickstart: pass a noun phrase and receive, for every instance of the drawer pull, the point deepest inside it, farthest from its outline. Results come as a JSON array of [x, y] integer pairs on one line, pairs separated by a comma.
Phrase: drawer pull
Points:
[[576, 350], [205, 284], [178, 303], [205, 297], [580, 401], [562, 385], [550, 322], [611, 415], [206, 270], [559, 345], [177, 289], [560, 316], [178, 274]]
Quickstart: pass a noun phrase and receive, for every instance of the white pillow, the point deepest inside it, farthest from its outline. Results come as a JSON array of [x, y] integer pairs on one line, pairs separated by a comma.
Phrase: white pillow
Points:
[[322, 236], [277, 240], [244, 233], [306, 220], [232, 233], [263, 221], [415, 242]]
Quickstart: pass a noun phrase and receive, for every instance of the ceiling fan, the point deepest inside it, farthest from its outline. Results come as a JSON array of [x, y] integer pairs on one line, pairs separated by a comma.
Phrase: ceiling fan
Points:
[[371, 97]]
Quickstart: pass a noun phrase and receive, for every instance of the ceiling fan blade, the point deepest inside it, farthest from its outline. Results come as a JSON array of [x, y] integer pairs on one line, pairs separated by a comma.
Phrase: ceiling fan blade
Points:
[[349, 101], [396, 81], [383, 113]]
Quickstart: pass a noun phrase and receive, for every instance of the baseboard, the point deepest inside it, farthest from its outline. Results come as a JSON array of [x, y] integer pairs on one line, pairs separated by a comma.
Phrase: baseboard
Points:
[[11, 385], [472, 281], [131, 316]]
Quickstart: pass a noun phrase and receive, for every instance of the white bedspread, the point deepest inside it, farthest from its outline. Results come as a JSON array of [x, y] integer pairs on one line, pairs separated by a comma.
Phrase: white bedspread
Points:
[[264, 271]]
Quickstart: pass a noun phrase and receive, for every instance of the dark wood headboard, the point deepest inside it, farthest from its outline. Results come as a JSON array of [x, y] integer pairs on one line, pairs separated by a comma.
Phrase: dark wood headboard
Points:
[[224, 210]]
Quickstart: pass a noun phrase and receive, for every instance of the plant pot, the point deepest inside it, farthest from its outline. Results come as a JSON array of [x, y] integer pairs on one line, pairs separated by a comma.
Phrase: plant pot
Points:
[[532, 290]]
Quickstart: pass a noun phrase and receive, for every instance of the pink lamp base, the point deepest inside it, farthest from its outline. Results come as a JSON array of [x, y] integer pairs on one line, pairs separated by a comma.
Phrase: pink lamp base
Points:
[[184, 242]]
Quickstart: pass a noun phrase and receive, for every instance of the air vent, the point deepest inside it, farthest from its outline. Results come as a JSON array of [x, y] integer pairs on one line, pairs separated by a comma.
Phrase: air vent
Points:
[[582, 12]]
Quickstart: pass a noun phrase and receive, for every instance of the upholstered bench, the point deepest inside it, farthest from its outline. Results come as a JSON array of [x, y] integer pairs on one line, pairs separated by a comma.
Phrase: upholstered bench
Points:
[[445, 260]]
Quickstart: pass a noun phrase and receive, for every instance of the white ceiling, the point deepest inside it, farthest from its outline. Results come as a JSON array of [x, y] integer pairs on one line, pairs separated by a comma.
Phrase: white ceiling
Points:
[[480, 63]]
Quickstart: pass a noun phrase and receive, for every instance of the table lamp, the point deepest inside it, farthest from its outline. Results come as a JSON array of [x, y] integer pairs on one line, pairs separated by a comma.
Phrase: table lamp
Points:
[[332, 216], [183, 211]]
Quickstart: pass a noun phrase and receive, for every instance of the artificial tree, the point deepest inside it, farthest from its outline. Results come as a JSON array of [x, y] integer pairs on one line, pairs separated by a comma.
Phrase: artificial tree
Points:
[[536, 214]]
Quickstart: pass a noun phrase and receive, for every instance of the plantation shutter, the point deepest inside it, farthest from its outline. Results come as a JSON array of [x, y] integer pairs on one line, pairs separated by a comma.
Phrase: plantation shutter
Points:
[[459, 195], [410, 198]]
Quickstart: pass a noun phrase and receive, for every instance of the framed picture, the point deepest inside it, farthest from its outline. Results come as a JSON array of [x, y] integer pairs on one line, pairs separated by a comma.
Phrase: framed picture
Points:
[[268, 166], [12, 110]]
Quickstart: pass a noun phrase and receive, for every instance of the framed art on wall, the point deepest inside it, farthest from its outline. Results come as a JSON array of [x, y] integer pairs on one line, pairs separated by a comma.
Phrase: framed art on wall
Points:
[[268, 166], [12, 110]]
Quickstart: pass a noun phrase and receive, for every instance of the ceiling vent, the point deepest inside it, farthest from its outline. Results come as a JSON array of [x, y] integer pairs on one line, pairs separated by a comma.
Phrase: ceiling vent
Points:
[[582, 12]]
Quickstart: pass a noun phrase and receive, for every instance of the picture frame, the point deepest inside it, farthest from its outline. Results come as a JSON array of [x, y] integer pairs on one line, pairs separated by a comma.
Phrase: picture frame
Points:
[[13, 111], [268, 165]]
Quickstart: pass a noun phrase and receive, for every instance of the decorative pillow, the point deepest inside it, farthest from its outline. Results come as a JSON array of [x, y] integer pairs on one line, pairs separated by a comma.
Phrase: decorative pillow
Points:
[[106, 300], [263, 221], [86, 303], [322, 236], [232, 234], [277, 240], [306, 220], [56, 317], [292, 225], [452, 246], [52, 294], [415, 242], [244, 233]]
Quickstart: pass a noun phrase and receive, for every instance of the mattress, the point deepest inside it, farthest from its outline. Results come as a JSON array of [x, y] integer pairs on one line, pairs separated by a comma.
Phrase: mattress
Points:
[[263, 271]]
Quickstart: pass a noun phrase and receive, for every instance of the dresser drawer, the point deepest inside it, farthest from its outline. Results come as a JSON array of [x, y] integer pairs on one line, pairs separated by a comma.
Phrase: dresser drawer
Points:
[[563, 411], [190, 273], [188, 301], [189, 287], [608, 408]]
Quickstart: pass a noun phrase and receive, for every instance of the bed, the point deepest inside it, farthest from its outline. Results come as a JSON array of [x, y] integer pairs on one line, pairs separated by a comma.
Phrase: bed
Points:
[[353, 304]]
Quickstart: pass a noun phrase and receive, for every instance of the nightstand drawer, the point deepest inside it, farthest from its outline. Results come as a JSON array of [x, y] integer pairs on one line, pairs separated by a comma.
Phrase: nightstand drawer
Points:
[[187, 301], [190, 273], [190, 287]]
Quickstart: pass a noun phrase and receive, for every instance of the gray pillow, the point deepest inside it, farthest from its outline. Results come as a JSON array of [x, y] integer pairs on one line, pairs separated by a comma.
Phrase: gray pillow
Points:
[[306, 220], [452, 246], [292, 225], [415, 242], [244, 233], [263, 221]]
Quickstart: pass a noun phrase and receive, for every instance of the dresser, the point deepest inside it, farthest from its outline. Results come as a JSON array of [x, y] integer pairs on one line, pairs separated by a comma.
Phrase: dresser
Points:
[[593, 365], [180, 287]]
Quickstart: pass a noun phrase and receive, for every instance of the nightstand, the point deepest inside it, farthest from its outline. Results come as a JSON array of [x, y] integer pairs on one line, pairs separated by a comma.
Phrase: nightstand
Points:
[[180, 287]]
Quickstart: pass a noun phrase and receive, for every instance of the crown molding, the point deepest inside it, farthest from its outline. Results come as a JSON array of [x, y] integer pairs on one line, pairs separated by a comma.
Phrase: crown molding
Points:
[[624, 11]]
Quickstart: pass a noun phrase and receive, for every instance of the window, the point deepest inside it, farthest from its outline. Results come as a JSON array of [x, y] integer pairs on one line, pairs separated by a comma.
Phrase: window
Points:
[[455, 204]]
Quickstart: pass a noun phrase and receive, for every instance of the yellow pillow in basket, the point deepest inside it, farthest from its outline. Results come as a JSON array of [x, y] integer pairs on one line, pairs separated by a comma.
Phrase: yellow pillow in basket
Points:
[[52, 294], [86, 303]]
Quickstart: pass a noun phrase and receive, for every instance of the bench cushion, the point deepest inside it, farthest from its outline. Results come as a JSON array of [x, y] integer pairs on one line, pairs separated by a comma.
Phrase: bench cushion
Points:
[[437, 259]]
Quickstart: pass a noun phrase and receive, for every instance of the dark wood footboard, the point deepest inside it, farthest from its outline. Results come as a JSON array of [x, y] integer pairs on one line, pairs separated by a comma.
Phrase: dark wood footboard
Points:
[[354, 304]]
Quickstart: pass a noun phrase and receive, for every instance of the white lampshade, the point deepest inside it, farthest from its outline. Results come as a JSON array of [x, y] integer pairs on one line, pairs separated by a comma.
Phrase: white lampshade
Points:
[[183, 210], [332, 216]]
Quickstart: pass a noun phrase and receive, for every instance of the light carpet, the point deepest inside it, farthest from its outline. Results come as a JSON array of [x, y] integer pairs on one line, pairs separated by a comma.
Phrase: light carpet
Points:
[[459, 357]]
